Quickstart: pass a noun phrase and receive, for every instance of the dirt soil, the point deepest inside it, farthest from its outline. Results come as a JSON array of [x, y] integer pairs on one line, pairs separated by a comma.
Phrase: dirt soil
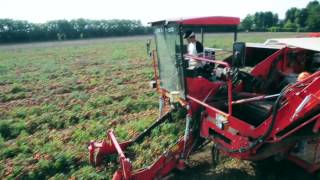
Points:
[[201, 168]]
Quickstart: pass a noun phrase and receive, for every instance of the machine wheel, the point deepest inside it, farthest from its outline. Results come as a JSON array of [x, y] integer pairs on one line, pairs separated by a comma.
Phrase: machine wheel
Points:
[[217, 157]]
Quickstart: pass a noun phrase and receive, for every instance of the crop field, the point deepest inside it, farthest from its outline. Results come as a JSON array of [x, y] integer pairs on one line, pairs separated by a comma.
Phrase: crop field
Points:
[[57, 96]]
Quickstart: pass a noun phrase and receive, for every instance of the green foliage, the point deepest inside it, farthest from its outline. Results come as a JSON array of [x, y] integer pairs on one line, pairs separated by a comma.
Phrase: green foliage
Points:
[[11, 97], [10, 151], [160, 139], [3, 69], [264, 20], [22, 31], [119, 54], [17, 88], [10, 129], [274, 29], [247, 22], [88, 172], [72, 117], [301, 18], [291, 14], [126, 131], [63, 162], [44, 169], [296, 20], [305, 18], [1, 141], [5, 128], [290, 25], [100, 101], [129, 105], [80, 136], [80, 95], [313, 20]]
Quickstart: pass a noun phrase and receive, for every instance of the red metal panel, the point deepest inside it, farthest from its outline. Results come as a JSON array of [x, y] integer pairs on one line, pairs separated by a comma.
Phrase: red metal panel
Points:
[[200, 88], [236, 141], [165, 163], [262, 69], [314, 34]]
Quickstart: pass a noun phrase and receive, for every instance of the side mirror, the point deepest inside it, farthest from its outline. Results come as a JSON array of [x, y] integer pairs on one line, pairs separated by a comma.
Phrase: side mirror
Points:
[[148, 44], [239, 54]]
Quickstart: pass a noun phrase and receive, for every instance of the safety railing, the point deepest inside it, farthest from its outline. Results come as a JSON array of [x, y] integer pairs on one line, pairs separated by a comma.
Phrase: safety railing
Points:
[[229, 81]]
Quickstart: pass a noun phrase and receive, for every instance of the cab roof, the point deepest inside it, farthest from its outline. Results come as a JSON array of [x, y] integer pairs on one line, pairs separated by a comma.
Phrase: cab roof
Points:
[[201, 21]]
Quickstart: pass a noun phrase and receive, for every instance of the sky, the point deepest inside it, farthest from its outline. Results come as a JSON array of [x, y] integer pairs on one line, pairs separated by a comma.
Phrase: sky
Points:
[[39, 11]]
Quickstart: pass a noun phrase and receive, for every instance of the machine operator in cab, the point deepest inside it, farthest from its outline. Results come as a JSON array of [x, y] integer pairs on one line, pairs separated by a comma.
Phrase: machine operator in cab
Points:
[[194, 48]]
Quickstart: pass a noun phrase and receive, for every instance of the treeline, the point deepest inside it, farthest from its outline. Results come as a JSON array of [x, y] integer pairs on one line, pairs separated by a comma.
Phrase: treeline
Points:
[[24, 31], [296, 20]]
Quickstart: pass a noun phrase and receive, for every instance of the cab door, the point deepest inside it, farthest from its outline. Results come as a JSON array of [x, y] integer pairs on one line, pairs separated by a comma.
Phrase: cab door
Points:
[[169, 59]]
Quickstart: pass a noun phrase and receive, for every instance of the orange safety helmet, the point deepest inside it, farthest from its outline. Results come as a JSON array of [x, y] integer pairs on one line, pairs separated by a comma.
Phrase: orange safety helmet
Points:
[[303, 75]]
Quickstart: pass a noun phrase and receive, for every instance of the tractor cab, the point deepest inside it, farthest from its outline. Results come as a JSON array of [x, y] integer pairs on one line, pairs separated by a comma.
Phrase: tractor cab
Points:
[[171, 67]]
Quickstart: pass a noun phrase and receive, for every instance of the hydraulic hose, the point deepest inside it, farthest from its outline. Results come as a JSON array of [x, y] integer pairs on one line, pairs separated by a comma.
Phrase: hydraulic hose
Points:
[[262, 138]]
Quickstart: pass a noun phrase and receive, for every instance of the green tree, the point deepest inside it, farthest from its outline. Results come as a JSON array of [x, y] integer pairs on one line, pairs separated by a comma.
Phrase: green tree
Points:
[[264, 20], [313, 20], [258, 20], [247, 22], [275, 20], [290, 26], [268, 19], [301, 17], [21, 31], [291, 14], [312, 4]]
